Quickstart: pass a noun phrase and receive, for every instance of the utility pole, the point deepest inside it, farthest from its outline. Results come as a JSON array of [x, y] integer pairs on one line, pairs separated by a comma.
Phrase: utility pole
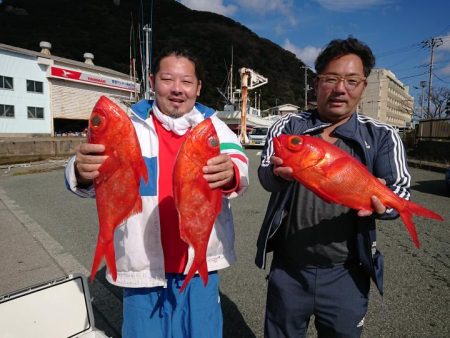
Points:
[[231, 94], [431, 43], [423, 84], [147, 30], [306, 86]]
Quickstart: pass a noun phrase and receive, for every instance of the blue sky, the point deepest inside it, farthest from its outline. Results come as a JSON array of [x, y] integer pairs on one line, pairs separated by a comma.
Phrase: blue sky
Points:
[[394, 29]]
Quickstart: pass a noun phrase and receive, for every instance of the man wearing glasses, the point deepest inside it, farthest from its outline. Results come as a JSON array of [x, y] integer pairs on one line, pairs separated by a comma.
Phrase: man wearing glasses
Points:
[[324, 253]]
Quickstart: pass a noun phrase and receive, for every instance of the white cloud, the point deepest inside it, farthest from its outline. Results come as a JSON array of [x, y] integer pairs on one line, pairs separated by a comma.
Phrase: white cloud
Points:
[[445, 43], [284, 7], [307, 54], [215, 6], [350, 5], [446, 70]]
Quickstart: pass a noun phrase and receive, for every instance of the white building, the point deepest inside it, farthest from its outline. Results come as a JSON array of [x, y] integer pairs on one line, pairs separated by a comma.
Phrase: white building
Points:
[[281, 110], [387, 99], [41, 93]]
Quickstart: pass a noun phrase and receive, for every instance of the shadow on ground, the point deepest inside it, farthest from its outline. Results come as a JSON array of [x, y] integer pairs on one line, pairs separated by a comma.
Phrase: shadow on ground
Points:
[[234, 325], [434, 187]]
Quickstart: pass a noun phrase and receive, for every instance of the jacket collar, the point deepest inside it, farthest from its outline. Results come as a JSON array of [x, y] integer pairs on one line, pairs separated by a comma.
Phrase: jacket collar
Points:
[[142, 109], [348, 129]]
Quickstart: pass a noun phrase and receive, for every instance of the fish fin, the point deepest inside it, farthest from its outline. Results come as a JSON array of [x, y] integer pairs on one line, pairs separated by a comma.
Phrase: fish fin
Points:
[[202, 268], [141, 171], [104, 250], [99, 253], [144, 172], [203, 271], [137, 208], [109, 167], [422, 211], [406, 217], [189, 276], [111, 259]]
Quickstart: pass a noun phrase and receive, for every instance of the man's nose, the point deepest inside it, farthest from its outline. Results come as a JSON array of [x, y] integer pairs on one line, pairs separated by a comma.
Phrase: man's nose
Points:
[[176, 87], [340, 86]]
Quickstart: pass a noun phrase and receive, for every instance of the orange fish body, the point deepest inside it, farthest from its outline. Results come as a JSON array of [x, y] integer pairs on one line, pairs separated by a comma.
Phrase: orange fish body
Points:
[[197, 204], [338, 177], [117, 187]]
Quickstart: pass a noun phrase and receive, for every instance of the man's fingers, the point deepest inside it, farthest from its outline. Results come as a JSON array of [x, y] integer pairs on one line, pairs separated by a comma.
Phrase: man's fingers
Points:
[[90, 159], [276, 161], [378, 206]]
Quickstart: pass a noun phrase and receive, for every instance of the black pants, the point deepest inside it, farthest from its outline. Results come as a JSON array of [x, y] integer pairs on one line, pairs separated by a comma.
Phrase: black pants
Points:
[[336, 296]]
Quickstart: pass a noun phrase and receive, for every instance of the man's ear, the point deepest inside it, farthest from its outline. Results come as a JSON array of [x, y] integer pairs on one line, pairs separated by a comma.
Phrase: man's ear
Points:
[[152, 81], [199, 87]]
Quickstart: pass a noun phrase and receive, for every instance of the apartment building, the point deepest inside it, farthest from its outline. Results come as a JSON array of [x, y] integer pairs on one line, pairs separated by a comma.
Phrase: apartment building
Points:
[[387, 99]]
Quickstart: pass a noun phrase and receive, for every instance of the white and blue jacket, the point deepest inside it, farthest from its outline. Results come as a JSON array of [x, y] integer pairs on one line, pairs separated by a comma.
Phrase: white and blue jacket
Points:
[[137, 242], [376, 145]]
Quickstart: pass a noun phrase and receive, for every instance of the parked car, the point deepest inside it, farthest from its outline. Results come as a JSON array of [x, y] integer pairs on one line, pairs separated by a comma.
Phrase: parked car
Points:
[[257, 136], [447, 180]]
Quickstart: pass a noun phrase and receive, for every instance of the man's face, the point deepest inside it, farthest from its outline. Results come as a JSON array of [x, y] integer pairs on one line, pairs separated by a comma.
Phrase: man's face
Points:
[[176, 86], [337, 98]]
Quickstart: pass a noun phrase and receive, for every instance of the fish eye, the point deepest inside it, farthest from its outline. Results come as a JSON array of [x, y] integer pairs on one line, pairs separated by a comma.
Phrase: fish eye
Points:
[[213, 141], [96, 121], [296, 140]]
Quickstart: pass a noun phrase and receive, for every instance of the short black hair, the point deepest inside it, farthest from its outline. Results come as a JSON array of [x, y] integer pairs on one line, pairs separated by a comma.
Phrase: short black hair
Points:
[[338, 47], [184, 53]]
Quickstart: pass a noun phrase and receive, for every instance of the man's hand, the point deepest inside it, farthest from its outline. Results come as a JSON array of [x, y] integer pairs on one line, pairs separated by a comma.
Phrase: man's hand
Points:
[[279, 170], [377, 206], [88, 159], [219, 172]]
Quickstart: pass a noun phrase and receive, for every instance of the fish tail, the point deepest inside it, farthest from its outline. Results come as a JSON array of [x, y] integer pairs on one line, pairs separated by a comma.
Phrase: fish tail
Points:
[[104, 250], [99, 253], [111, 259], [407, 218], [202, 270], [189, 276], [424, 212]]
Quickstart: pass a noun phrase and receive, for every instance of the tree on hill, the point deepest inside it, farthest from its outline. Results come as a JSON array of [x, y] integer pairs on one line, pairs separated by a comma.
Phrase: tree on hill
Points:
[[103, 28]]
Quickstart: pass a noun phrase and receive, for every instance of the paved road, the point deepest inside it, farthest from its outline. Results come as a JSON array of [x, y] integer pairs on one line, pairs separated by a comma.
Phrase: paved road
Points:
[[51, 222]]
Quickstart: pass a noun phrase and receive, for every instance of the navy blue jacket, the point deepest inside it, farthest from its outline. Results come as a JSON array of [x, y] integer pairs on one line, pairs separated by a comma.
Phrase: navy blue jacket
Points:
[[376, 145]]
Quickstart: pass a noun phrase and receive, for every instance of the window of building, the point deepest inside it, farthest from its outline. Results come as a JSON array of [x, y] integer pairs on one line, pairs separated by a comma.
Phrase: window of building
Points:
[[35, 112], [35, 86], [6, 110], [6, 82]]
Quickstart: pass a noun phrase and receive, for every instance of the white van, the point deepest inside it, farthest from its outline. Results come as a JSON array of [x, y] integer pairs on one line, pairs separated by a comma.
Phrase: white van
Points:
[[257, 137]]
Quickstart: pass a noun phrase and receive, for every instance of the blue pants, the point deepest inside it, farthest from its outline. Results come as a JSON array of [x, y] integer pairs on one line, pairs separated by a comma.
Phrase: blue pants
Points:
[[165, 313], [336, 296]]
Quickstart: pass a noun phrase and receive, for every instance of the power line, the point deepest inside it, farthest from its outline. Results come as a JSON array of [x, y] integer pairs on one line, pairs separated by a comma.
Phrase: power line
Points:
[[398, 50], [407, 77], [440, 78], [432, 44]]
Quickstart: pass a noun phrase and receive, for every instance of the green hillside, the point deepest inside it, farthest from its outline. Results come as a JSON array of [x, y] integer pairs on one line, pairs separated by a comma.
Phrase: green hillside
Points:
[[103, 28]]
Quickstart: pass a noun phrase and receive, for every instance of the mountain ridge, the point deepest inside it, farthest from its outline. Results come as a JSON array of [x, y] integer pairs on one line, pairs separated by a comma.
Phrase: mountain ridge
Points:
[[103, 28]]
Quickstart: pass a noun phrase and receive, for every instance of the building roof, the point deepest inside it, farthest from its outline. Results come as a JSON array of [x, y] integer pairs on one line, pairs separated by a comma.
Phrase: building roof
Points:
[[61, 60]]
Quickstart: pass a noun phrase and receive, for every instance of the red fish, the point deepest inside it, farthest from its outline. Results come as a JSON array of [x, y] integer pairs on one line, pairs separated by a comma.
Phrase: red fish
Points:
[[337, 177], [117, 186], [197, 204]]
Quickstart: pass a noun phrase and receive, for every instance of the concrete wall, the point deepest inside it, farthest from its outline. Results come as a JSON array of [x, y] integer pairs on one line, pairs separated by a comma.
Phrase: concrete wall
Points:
[[20, 150]]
